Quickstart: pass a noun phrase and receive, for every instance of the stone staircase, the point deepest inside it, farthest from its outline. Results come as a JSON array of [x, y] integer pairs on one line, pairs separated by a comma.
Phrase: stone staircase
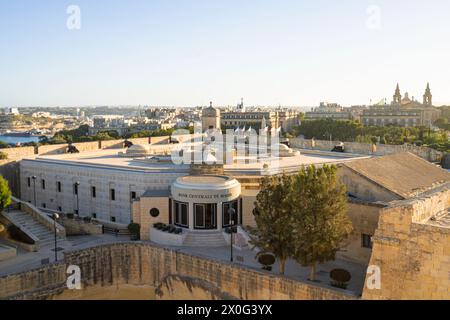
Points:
[[26, 221], [204, 239]]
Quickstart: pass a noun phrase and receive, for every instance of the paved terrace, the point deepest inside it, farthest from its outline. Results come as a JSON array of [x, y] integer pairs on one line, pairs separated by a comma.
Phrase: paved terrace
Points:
[[109, 158], [27, 261]]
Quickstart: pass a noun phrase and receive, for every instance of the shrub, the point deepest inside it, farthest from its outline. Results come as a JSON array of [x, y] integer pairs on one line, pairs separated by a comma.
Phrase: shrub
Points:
[[87, 219], [134, 229], [266, 259], [340, 278], [3, 156]]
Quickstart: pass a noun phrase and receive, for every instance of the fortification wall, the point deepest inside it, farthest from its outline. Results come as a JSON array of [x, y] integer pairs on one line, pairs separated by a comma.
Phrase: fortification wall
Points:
[[139, 264], [413, 254], [369, 149]]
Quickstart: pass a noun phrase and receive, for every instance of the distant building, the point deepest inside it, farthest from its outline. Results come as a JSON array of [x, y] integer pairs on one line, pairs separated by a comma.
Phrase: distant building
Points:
[[330, 111], [10, 111], [405, 112], [284, 119]]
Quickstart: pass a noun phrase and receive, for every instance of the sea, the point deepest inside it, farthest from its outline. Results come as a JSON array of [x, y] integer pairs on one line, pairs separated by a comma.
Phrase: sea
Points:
[[15, 140]]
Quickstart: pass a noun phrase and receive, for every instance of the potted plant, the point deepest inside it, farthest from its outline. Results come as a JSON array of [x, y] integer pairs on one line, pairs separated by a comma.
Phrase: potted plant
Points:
[[266, 259], [340, 278]]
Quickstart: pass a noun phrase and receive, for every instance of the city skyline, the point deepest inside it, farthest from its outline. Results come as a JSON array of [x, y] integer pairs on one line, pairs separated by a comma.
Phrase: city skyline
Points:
[[289, 53]]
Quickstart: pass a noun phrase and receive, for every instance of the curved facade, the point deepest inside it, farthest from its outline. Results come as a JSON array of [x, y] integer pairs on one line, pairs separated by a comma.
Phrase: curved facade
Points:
[[203, 202]]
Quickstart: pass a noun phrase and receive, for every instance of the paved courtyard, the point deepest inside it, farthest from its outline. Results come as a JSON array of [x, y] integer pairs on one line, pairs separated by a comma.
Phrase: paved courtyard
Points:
[[31, 260]]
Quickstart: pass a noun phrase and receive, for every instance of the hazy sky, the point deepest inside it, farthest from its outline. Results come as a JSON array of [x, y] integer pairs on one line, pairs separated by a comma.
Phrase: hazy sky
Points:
[[188, 52]]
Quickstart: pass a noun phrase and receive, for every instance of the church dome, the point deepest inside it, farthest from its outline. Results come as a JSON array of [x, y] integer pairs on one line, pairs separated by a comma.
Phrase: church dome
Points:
[[138, 150]]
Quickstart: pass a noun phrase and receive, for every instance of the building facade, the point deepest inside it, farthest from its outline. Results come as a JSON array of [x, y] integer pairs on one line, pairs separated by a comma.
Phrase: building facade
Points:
[[405, 112]]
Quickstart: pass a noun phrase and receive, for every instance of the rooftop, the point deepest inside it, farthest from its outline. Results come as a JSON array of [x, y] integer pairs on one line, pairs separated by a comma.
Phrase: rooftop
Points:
[[404, 173], [109, 158]]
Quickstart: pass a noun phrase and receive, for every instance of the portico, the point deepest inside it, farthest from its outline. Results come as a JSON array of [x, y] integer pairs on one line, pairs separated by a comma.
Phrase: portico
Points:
[[203, 202]]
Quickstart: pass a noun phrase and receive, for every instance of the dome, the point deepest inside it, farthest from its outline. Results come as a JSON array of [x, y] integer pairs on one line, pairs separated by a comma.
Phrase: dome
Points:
[[138, 150]]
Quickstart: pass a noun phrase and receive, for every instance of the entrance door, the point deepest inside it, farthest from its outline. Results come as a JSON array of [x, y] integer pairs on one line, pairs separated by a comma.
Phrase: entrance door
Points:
[[205, 216]]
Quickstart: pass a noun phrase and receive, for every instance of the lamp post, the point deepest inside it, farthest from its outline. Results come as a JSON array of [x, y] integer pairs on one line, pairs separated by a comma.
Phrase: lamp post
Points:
[[231, 213], [77, 184], [34, 189], [55, 216]]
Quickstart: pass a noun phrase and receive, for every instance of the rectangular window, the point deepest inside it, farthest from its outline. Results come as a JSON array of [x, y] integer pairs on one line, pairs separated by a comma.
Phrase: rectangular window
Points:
[[44, 205], [76, 212], [75, 189], [133, 195], [29, 182], [94, 215], [181, 214], [93, 192], [113, 219], [43, 184], [60, 209], [112, 194], [366, 241], [226, 219], [58, 186]]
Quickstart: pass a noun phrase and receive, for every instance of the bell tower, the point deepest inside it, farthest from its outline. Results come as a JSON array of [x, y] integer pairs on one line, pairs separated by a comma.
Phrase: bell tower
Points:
[[428, 97], [397, 96]]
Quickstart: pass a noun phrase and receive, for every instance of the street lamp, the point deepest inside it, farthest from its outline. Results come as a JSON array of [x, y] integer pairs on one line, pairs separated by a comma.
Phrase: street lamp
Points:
[[34, 189], [77, 184], [55, 216], [231, 213]]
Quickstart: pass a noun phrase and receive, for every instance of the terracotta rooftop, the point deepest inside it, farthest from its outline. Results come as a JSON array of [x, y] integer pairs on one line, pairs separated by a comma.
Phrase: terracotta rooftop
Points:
[[404, 173]]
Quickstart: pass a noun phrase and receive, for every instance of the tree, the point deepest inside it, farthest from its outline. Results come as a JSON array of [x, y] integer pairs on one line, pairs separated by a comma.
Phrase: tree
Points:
[[274, 219], [5, 194], [319, 210]]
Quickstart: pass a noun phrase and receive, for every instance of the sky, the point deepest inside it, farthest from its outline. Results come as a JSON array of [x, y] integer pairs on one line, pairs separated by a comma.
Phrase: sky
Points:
[[190, 52]]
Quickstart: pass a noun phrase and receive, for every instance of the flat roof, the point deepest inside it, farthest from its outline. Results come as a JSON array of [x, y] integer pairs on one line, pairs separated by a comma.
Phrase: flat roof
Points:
[[110, 158]]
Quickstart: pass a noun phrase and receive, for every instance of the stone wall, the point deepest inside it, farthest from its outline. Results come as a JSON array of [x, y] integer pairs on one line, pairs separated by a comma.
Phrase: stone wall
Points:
[[141, 264], [367, 148], [77, 227], [141, 213], [412, 253]]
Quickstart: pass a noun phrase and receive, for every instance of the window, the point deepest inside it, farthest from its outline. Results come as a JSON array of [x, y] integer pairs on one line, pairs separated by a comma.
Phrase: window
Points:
[[93, 192], [133, 195], [181, 214], [226, 214], [76, 212], [205, 216], [60, 209], [94, 215], [29, 182], [154, 212], [44, 205], [112, 194], [43, 184], [58, 186], [75, 189], [366, 241], [113, 219]]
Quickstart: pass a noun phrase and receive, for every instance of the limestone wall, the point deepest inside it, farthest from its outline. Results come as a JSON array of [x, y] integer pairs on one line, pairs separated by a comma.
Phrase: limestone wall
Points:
[[112, 144], [413, 254], [367, 148], [159, 140], [141, 213], [52, 149], [140, 264]]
